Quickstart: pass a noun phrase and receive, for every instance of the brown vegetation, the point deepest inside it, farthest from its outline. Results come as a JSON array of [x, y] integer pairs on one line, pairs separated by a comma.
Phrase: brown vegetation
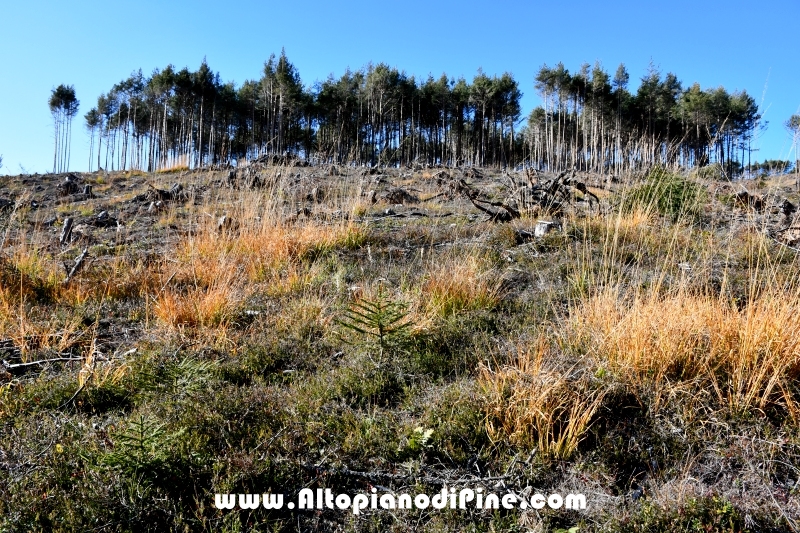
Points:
[[243, 339]]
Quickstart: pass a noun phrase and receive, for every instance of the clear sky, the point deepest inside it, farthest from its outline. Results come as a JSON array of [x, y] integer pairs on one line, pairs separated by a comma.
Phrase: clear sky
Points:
[[738, 44]]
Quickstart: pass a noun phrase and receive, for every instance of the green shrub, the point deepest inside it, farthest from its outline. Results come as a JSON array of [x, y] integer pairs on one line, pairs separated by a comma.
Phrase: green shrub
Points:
[[710, 172], [366, 383], [144, 449], [667, 194]]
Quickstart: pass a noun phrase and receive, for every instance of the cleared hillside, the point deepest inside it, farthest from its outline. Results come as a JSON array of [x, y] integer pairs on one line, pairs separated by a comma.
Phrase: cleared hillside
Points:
[[281, 327]]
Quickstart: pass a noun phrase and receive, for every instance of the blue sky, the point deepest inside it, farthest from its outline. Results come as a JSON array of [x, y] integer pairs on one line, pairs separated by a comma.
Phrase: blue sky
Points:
[[753, 46]]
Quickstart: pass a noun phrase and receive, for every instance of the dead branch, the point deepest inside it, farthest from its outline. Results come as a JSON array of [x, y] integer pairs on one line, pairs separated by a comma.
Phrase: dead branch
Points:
[[14, 366], [748, 200], [78, 264], [506, 213], [173, 194]]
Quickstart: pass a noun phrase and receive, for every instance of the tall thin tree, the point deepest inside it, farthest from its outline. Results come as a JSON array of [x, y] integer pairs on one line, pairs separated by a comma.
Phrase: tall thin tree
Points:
[[63, 106]]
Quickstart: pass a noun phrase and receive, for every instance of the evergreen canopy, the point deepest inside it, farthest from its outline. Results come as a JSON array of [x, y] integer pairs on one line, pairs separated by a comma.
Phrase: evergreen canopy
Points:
[[379, 115]]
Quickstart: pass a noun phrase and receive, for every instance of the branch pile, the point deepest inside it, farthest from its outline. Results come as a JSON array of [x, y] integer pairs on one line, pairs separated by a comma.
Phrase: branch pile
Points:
[[551, 196], [175, 193]]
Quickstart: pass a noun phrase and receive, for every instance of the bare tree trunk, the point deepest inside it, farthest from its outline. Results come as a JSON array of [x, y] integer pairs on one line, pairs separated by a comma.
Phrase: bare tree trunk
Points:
[[200, 135], [56, 138]]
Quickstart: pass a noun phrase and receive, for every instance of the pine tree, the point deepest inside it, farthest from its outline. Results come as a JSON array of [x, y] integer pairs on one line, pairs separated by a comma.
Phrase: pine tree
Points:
[[63, 107]]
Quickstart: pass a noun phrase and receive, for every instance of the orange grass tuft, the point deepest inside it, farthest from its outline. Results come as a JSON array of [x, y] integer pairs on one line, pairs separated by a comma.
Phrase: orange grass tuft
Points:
[[219, 270], [749, 358], [460, 283], [529, 404]]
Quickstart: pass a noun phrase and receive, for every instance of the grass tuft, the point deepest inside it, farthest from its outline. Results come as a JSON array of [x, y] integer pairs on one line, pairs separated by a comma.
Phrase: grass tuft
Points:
[[749, 359], [458, 284], [529, 404]]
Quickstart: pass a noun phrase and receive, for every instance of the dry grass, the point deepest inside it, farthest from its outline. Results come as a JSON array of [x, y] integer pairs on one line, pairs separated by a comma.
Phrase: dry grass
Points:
[[530, 403], [748, 357], [663, 339], [214, 305], [178, 164], [460, 283], [658, 328], [202, 282], [16, 282], [216, 270], [32, 333], [636, 340]]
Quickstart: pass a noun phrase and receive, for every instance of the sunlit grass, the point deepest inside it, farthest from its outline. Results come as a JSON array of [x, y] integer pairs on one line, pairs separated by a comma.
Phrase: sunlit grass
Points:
[[748, 358], [460, 283], [530, 404]]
